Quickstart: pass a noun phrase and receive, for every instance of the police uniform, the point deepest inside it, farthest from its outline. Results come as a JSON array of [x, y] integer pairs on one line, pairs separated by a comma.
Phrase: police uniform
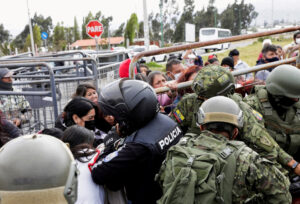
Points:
[[135, 164]]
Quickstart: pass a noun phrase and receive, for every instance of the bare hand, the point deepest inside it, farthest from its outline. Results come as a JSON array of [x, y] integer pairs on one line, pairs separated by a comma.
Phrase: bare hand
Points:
[[173, 87], [17, 122], [297, 170]]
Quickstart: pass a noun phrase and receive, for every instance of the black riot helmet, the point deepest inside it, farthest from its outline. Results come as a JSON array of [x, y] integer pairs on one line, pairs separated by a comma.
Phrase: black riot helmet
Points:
[[133, 103]]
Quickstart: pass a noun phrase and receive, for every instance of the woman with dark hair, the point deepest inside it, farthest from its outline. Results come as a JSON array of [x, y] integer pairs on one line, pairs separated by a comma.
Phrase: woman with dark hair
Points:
[[156, 80], [87, 91], [80, 141], [82, 112]]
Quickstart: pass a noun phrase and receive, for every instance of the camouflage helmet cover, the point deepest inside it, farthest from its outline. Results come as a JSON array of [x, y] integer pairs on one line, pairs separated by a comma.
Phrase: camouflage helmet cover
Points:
[[213, 80], [220, 109], [284, 80]]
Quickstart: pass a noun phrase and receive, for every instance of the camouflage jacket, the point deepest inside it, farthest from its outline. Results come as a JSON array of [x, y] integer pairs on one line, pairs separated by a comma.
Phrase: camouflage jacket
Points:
[[14, 106], [256, 179], [253, 132], [286, 131]]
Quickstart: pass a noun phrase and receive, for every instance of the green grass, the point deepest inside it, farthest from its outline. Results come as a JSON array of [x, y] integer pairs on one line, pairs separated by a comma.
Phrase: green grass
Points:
[[250, 53], [156, 67]]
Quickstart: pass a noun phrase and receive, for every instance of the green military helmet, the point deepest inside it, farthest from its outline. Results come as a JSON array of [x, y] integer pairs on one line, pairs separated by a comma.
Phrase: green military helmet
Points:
[[220, 109], [37, 169], [213, 80], [284, 80]]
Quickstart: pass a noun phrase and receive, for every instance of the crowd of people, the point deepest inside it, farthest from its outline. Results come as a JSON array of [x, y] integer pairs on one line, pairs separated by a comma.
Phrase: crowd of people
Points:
[[128, 144]]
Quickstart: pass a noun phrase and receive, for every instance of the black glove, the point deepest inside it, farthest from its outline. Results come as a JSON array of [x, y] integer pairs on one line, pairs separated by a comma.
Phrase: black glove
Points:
[[295, 186], [111, 137]]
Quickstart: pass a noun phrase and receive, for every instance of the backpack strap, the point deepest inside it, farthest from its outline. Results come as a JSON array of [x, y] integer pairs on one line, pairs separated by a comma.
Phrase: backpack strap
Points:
[[262, 95], [226, 177], [297, 106]]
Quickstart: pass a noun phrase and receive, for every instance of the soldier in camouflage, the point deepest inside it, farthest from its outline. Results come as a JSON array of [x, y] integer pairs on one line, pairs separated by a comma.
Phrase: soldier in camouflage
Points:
[[256, 180], [278, 101], [14, 107], [214, 80]]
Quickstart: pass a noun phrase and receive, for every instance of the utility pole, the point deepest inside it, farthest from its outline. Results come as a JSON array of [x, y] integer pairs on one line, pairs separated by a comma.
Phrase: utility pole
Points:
[[272, 14], [108, 35], [146, 26], [31, 33], [215, 17], [161, 23]]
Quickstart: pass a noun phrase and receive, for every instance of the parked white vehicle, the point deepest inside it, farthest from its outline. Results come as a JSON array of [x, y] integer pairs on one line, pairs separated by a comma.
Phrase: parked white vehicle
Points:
[[206, 34], [154, 58]]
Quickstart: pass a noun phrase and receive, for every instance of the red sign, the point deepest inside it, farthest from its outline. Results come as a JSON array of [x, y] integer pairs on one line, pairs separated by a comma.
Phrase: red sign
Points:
[[94, 29]]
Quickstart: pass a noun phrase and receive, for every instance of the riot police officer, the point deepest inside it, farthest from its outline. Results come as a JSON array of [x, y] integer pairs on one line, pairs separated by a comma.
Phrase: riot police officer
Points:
[[37, 169], [147, 135]]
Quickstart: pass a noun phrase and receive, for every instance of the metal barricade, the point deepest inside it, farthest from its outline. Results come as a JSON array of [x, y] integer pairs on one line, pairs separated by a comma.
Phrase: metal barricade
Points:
[[212, 42], [32, 106]]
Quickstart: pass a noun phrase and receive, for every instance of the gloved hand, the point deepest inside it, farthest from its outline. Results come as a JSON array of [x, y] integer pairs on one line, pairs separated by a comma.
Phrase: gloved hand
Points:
[[111, 137]]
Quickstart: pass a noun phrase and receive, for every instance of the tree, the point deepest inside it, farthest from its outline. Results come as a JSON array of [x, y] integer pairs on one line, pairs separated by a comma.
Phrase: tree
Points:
[[69, 34], [76, 30], [45, 24], [86, 19], [27, 42], [238, 16], [119, 31], [59, 41], [37, 36], [155, 26], [4, 34], [98, 16], [141, 29], [186, 17], [169, 19], [132, 27]]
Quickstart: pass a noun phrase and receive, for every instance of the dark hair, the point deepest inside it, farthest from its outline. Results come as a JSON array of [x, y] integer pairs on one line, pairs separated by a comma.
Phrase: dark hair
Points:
[[278, 46], [269, 48], [55, 132], [141, 77], [82, 89], [211, 61], [148, 72], [171, 63], [228, 61], [80, 141], [79, 106], [295, 34], [234, 52], [152, 75], [184, 76], [4, 136], [143, 65]]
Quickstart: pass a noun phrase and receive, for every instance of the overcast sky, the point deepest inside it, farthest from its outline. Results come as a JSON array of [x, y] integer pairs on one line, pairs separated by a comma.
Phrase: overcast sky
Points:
[[14, 16]]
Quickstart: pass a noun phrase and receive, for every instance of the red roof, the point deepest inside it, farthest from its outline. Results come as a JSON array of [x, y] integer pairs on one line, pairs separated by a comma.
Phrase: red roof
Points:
[[101, 41]]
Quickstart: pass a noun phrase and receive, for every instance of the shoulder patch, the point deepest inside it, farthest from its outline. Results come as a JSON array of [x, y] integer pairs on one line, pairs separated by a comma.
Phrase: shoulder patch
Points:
[[110, 156], [178, 115], [257, 114], [265, 141]]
